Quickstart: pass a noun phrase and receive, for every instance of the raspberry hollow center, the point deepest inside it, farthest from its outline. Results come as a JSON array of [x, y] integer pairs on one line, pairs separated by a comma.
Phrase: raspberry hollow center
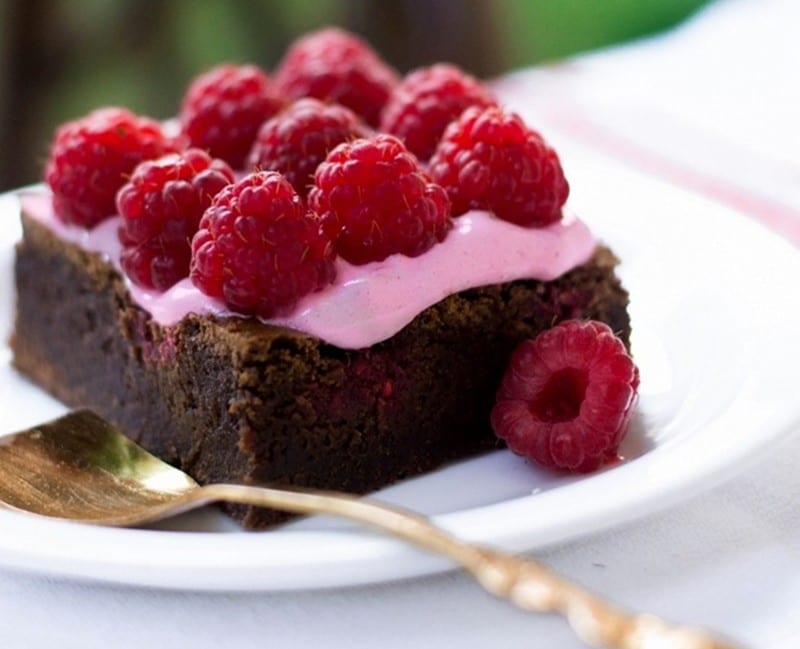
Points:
[[561, 397]]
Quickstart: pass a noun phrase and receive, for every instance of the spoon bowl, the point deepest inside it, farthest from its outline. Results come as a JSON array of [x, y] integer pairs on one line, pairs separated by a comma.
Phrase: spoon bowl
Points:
[[81, 468]]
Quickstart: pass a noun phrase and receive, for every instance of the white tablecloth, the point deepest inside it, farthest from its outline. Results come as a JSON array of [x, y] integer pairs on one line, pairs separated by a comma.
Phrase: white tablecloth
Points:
[[711, 106]]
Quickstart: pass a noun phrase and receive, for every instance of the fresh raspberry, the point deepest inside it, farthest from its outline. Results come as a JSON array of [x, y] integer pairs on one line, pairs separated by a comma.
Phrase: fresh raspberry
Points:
[[567, 396], [161, 206], [426, 101], [91, 158], [489, 159], [375, 201], [298, 139], [335, 66], [224, 108], [259, 249]]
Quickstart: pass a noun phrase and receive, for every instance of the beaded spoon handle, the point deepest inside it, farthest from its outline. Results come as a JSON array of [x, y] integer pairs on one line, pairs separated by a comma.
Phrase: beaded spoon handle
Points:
[[81, 468]]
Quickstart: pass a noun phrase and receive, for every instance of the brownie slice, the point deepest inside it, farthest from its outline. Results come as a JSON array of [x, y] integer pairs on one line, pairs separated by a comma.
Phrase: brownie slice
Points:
[[232, 399]]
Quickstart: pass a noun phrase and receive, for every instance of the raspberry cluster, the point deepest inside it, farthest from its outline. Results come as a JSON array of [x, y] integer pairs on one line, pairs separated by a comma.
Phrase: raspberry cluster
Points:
[[355, 194]]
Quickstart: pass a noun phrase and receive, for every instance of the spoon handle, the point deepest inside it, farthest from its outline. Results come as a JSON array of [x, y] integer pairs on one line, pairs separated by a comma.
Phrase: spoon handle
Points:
[[522, 581]]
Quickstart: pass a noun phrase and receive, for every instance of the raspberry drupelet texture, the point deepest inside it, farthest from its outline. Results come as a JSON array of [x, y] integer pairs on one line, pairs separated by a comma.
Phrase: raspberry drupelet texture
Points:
[[223, 109], [567, 397], [489, 159], [426, 101], [335, 66], [92, 157], [161, 206], [259, 249], [298, 139], [375, 201]]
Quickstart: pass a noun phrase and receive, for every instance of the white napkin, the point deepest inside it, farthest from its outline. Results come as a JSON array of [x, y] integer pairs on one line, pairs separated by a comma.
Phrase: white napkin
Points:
[[712, 106]]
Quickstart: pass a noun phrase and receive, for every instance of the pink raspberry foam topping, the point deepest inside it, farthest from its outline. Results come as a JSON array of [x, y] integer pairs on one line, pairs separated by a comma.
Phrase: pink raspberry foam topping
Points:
[[371, 302]]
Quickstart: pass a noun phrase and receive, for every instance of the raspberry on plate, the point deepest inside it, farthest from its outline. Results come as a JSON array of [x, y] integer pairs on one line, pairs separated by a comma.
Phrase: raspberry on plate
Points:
[[490, 160], [91, 158], [298, 139], [335, 66], [161, 206], [426, 101], [567, 396], [223, 109], [375, 201], [259, 249]]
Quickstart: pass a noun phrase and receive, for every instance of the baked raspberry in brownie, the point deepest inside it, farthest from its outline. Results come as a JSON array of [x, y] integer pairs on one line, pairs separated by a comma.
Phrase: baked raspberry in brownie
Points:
[[345, 341]]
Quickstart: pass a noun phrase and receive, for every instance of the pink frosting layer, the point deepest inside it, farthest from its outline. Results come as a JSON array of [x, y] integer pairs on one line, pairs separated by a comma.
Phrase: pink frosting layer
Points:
[[370, 303]]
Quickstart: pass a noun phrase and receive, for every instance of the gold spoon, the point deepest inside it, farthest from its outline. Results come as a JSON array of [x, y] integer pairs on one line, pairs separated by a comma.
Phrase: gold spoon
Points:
[[81, 468]]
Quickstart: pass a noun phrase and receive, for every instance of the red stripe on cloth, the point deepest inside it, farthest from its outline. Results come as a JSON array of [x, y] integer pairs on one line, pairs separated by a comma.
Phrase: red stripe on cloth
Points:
[[781, 218]]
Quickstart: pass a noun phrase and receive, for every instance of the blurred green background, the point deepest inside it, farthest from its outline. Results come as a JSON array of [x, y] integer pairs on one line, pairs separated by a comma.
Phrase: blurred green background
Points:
[[61, 58]]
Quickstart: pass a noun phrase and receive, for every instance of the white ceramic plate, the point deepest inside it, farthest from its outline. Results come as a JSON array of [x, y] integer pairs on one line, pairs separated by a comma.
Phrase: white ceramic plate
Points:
[[715, 308]]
